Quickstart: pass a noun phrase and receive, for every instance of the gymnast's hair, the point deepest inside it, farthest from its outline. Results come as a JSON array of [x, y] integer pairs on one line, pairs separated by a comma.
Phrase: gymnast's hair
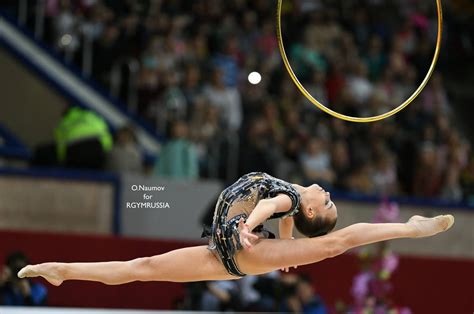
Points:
[[318, 226]]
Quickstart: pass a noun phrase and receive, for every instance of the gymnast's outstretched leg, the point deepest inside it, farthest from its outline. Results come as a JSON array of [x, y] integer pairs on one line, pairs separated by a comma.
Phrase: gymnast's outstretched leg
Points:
[[198, 263], [269, 255], [182, 265]]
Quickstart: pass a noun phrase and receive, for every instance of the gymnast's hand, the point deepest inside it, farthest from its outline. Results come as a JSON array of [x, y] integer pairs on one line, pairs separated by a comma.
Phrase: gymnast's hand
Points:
[[246, 235], [287, 269]]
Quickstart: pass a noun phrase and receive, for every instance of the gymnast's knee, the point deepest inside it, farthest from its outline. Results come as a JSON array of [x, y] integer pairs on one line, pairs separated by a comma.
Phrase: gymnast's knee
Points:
[[146, 268]]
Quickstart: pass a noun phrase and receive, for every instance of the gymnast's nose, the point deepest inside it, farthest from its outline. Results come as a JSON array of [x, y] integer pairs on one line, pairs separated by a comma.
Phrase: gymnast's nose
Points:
[[319, 187]]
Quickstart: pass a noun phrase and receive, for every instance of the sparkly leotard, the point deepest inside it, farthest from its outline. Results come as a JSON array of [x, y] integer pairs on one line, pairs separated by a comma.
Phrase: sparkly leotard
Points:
[[238, 201]]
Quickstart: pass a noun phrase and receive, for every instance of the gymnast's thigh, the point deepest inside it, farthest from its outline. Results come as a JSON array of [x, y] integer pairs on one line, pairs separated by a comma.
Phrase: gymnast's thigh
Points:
[[272, 254], [189, 264]]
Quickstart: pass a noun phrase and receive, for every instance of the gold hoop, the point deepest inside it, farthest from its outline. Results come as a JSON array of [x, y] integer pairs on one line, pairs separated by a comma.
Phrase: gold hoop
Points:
[[350, 118]]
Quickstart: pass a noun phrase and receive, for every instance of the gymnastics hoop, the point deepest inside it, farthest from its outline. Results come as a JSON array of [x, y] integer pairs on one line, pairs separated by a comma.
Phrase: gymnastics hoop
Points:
[[351, 118]]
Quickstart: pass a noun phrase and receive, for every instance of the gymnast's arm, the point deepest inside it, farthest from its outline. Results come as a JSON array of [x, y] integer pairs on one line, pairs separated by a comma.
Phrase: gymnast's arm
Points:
[[285, 231], [285, 228], [264, 209], [267, 207]]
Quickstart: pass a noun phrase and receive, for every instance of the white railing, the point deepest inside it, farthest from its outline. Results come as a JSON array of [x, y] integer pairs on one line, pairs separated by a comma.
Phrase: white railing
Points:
[[228, 139], [68, 81], [87, 46]]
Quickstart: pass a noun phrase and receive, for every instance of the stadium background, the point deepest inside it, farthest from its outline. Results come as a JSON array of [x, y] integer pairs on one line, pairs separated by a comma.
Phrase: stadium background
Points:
[[170, 80]]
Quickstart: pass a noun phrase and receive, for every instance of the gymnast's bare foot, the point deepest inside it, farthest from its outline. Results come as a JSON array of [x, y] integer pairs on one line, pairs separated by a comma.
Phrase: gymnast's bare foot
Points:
[[425, 227], [48, 271]]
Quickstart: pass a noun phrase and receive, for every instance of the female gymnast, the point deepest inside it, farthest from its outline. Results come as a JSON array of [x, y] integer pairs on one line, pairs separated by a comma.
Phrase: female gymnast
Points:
[[238, 243]]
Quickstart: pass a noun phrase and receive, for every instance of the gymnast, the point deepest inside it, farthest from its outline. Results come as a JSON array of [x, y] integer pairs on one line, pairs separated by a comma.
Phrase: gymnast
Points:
[[240, 245]]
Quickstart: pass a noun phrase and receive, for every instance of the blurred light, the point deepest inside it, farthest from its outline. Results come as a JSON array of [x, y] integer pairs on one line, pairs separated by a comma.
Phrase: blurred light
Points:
[[254, 78], [66, 40]]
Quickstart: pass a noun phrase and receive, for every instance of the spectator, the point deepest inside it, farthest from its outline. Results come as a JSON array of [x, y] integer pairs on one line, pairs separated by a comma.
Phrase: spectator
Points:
[[359, 180], [226, 62], [221, 296], [125, 156], [452, 187], [349, 56], [173, 99], [258, 151], [178, 158], [435, 97], [311, 302], [385, 175], [107, 48], [192, 88], [266, 42], [300, 297], [428, 176], [375, 59], [290, 302], [82, 140], [205, 126], [316, 86], [340, 162], [307, 57], [259, 293], [316, 163], [358, 83], [226, 100], [19, 292]]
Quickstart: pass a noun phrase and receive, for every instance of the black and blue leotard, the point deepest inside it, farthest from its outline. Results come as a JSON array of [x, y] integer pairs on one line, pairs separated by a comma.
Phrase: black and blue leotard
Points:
[[238, 201]]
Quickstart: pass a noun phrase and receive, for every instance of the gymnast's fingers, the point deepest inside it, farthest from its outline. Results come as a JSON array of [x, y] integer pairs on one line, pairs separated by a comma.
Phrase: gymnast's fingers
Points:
[[253, 236], [247, 244]]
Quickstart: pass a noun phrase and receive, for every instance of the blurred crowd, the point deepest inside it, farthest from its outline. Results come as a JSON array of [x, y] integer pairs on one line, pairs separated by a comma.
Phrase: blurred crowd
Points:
[[273, 292], [361, 58], [16, 291]]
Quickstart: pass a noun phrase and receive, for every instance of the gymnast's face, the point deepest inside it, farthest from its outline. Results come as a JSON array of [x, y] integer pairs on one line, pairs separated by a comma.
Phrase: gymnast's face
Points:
[[319, 203]]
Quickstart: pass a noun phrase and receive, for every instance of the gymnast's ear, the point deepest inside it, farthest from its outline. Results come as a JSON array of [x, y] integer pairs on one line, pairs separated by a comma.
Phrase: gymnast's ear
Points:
[[309, 212]]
